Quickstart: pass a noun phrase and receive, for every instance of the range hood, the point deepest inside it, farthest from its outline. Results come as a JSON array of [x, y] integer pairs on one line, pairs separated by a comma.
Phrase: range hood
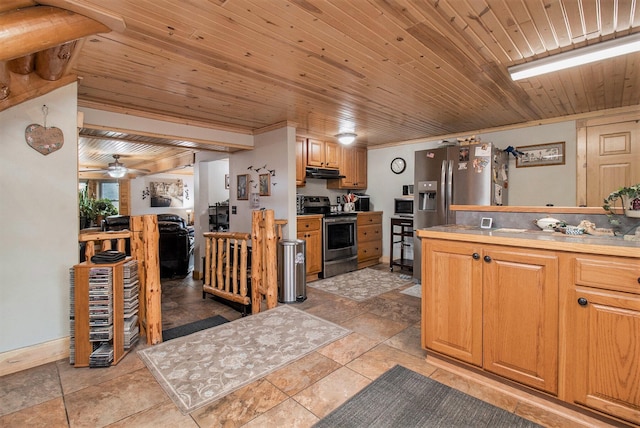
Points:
[[324, 173]]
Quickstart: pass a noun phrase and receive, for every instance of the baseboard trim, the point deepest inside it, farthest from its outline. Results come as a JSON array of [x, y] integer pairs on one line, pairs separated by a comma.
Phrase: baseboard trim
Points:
[[33, 356]]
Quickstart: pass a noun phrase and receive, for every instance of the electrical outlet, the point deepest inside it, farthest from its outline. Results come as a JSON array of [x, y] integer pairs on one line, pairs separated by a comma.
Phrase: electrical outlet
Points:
[[233, 209]]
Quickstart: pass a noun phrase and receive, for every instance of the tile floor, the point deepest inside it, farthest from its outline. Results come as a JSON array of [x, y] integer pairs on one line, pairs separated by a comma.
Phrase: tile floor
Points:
[[386, 332]]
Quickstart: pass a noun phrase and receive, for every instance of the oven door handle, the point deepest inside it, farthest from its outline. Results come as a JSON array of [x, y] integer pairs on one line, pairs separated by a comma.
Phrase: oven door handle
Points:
[[340, 219]]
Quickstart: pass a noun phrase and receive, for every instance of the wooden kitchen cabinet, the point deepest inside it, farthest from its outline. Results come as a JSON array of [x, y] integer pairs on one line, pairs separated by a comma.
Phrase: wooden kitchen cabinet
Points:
[[323, 154], [603, 371], [309, 228], [353, 165], [495, 307], [369, 226], [520, 315], [301, 161], [452, 300]]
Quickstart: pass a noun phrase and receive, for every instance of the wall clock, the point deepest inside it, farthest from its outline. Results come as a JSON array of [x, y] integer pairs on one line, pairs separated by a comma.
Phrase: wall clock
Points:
[[398, 165]]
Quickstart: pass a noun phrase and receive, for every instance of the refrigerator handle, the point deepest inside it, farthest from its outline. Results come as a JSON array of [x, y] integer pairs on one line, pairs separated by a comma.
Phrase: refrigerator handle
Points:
[[443, 184], [449, 195]]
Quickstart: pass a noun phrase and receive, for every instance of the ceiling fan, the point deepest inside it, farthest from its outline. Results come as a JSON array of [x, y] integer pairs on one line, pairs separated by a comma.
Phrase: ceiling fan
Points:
[[117, 169]]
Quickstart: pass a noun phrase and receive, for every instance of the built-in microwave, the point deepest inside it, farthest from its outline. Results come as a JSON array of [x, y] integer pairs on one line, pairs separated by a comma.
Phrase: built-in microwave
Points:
[[403, 207]]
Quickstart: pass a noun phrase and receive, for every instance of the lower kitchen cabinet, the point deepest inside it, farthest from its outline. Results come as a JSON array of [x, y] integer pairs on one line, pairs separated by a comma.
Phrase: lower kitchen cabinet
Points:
[[452, 300], [604, 335], [494, 307], [369, 227], [310, 230], [520, 315]]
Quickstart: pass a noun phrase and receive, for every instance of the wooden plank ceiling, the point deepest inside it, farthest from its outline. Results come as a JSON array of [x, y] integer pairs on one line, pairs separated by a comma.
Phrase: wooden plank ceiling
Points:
[[390, 70]]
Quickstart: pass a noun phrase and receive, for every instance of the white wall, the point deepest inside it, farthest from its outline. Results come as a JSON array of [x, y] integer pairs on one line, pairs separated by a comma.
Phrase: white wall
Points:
[[38, 222], [209, 172], [276, 150], [536, 186]]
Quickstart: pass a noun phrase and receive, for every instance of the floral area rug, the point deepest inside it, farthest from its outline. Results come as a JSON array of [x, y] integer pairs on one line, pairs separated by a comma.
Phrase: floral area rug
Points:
[[361, 284], [202, 367]]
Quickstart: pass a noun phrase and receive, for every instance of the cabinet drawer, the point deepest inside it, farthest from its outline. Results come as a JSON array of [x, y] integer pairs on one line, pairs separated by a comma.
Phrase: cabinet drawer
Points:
[[612, 273], [368, 250], [369, 232], [369, 218], [308, 224]]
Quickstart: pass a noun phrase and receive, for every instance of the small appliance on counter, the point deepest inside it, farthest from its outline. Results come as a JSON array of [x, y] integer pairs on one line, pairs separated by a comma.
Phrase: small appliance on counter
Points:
[[363, 202], [403, 207], [407, 189]]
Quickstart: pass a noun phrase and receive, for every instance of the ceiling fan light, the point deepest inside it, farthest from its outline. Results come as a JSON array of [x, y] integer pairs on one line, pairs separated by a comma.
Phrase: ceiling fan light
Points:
[[116, 171], [346, 138], [580, 56]]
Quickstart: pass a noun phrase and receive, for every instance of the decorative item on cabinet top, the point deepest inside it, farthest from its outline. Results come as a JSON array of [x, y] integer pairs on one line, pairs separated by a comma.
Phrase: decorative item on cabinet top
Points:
[[629, 197]]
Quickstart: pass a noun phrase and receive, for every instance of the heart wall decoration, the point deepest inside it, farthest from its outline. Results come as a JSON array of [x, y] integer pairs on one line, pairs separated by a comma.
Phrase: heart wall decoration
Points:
[[44, 139]]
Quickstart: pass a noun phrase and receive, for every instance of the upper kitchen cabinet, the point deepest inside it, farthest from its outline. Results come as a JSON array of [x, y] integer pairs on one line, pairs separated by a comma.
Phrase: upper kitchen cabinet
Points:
[[301, 160], [323, 154], [353, 166]]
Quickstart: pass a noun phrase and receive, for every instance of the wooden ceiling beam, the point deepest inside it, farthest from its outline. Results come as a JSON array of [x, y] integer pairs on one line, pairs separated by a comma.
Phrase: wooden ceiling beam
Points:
[[34, 29], [7, 5]]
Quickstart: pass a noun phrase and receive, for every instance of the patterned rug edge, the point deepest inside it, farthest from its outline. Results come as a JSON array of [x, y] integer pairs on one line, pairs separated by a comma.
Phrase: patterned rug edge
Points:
[[406, 280], [185, 409], [415, 291]]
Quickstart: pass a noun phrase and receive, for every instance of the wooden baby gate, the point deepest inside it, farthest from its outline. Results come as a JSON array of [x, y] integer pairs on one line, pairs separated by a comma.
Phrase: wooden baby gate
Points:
[[230, 261]]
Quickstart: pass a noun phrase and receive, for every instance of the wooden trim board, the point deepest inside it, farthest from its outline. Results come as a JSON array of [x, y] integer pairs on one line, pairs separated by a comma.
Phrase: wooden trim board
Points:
[[32, 356]]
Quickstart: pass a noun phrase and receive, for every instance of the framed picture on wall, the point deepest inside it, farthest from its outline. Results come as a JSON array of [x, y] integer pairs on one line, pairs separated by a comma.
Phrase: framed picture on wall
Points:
[[265, 184], [227, 184], [541, 155], [243, 183]]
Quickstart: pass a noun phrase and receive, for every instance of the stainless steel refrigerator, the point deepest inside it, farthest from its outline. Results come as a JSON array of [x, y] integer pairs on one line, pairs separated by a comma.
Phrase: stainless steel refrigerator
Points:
[[475, 174]]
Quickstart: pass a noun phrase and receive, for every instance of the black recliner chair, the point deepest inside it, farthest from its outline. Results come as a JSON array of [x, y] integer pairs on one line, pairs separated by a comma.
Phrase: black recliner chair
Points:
[[176, 244]]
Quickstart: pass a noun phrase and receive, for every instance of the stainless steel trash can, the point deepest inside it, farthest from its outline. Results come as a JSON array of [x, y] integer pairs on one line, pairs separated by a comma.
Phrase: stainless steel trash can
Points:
[[292, 271]]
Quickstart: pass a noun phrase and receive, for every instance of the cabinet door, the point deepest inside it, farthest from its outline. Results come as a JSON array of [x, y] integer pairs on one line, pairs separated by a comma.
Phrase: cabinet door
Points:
[[452, 299], [309, 229], [360, 168], [520, 300], [606, 348], [315, 153], [301, 164], [314, 252], [347, 168], [331, 155]]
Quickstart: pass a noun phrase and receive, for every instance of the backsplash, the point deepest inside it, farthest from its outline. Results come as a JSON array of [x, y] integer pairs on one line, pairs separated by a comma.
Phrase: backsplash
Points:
[[317, 187], [526, 220]]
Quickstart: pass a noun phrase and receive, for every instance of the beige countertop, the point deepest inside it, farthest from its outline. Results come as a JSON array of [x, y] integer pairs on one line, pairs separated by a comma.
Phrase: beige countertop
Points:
[[613, 246]]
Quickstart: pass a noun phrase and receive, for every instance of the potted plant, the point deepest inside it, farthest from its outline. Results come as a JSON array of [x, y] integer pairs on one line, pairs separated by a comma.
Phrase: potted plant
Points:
[[629, 197], [103, 208], [85, 208]]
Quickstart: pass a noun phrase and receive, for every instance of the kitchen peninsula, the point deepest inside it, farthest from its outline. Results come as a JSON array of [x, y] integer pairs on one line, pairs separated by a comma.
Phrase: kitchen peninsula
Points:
[[553, 312]]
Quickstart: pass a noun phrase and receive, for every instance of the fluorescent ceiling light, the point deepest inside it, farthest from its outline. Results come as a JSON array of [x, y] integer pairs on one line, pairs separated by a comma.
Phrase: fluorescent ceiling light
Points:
[[580, 56], [346, 138]]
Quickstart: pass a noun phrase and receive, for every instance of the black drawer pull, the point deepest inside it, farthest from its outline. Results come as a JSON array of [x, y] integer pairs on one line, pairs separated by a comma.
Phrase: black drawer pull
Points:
[[487, 259], [475, 256], [582, 301]]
